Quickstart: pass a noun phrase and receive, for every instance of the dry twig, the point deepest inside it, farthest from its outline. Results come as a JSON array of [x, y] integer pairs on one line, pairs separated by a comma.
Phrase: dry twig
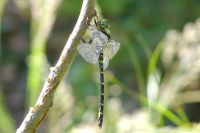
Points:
[[38, 112]]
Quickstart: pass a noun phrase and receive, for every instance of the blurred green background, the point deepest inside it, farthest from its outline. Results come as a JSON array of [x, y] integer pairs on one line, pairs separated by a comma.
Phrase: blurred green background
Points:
[[152, 84]]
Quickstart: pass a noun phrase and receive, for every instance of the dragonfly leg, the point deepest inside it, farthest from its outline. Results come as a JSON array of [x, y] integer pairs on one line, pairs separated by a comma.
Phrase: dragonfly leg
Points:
[[83, 40], [88, 22], [90, 41]]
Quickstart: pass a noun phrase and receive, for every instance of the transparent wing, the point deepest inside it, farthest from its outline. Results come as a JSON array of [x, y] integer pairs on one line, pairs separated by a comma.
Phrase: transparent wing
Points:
[[112, 48], [89, 52], [105, 60], [98, 38]]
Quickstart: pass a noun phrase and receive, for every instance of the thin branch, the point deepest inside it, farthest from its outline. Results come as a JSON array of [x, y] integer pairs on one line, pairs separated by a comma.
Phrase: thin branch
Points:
[[38, 112]]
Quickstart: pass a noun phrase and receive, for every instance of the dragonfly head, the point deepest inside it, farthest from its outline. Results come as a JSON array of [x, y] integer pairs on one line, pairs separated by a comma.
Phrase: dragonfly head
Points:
[[103, 24]]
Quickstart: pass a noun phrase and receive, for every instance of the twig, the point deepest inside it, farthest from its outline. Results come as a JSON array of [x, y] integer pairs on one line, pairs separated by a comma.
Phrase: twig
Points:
[[38, 112]]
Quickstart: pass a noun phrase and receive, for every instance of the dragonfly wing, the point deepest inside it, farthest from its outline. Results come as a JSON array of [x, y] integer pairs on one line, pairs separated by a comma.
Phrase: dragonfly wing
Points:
[[98, 38], [89, 52], [105, 60], [112, 48]]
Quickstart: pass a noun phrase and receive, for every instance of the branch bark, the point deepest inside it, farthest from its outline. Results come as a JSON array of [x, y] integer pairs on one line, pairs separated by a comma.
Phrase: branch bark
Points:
[[39, 111]]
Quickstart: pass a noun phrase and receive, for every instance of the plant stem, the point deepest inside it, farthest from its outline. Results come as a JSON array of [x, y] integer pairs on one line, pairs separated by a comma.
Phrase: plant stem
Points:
[[39, 111]]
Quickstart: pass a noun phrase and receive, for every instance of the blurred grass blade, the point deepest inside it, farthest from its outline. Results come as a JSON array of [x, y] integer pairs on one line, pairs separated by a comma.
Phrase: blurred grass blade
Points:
[[2, 4], [153, 105], [153, 85], [145, 46], [6, 121], [168, 114], [152, 65], [137, 67], [182, 115], [43, 17]]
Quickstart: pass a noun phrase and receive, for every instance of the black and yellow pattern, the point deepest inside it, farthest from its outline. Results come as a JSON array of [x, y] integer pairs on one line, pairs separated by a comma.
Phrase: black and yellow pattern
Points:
[[101, 106]]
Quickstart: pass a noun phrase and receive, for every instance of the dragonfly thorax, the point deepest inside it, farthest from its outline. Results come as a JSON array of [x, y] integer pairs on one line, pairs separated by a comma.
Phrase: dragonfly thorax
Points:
[[103, 26], [100, 41]]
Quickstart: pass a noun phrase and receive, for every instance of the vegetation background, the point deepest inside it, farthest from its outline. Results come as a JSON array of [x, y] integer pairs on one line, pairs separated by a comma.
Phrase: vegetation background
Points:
[[152, 84]]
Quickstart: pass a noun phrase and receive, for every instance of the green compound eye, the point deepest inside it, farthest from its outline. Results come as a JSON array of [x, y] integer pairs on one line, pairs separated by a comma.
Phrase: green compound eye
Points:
[[103, 24]]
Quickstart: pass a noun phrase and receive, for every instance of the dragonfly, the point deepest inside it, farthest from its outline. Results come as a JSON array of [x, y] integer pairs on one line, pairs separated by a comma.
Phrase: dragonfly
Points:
[[100, 49]]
